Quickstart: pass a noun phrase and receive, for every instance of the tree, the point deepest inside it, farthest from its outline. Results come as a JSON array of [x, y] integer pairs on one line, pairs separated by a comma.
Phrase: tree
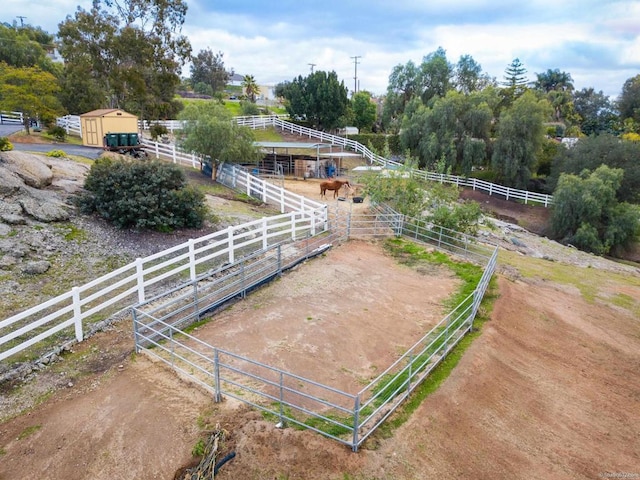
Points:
[[454, 130], [250, 87], [364, 111], [591, 152], [595, 111], [29, 90], [208, 68], [131, 50], [520, 138], [27, 47], [629, 100], [468, 75], [210, 131], [586, 213], [319, 97], [435, 75], [145, 195], [515, 75], [553, 80], [515, 82]]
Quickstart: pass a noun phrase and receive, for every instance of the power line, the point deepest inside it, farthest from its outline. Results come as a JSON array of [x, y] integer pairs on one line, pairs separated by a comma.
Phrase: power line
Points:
[[355, 76], [312, 65]]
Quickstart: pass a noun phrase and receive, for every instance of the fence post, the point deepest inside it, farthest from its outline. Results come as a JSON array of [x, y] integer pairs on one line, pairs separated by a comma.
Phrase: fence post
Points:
[[279, 257], [293, 225], [440, 237], [281, 399], [410, 373], [192, 259], [173, 153], [157, 151], [216, 376], [356, 420], [135, 330], [140, 279], [265, 236], [77, 313], [230, 243]]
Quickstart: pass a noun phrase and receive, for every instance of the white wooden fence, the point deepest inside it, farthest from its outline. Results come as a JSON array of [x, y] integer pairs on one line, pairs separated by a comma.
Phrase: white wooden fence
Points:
[[71, 124], [131, 284], [257, 122], [11, 117], [264, 121]]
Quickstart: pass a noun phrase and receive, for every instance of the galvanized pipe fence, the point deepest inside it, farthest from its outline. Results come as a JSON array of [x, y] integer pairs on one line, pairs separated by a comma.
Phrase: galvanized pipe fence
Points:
[[347, 417]]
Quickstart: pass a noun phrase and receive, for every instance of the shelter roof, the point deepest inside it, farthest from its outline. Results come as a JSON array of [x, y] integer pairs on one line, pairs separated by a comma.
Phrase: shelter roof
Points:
[[106, 111], [340, 154], [314, 145]]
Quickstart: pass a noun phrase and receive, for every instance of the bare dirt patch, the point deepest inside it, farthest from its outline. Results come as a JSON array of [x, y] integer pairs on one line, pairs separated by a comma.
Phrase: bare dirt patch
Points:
[[338, 320]]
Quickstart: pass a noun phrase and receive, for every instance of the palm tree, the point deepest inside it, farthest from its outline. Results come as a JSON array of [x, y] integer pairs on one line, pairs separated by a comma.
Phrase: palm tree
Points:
[[250, 87]]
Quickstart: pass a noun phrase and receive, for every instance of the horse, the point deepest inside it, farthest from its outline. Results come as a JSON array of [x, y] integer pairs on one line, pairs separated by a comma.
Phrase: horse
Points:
[[334, 185]]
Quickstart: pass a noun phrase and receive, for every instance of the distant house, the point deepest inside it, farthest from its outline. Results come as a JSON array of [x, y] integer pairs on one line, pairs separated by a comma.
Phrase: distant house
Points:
[[236, 80]]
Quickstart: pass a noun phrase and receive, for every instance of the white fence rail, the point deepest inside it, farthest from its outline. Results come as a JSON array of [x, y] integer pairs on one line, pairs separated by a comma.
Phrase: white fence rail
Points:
[[256, 122], [71, 124], [132, 283], [11, 117]]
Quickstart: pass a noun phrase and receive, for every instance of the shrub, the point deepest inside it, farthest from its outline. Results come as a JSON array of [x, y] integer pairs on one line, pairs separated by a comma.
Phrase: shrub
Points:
[[5, 144], [56, 153], [249, 108], [142, 195], [157, 130], [57, 132]]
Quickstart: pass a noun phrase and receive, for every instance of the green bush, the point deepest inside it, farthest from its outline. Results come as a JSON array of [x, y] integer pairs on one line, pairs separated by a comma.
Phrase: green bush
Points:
[[249, 108], [57, 132], [5, 144], [56, 153], [157, 130], [142, 195]]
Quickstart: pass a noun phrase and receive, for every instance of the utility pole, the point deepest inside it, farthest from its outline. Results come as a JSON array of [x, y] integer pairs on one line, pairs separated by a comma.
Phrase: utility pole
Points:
[[312, 65], [21, 20], [355, 76]]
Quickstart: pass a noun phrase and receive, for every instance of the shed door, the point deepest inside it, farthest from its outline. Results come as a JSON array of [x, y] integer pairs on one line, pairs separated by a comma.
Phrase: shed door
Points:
[[92, 131]]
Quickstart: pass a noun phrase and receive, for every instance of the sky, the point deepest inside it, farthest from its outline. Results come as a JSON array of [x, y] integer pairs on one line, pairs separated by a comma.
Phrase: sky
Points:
[[596, 41]]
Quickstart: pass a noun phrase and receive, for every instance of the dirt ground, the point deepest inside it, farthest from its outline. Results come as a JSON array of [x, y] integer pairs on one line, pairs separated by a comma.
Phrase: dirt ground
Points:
[[550, 389]]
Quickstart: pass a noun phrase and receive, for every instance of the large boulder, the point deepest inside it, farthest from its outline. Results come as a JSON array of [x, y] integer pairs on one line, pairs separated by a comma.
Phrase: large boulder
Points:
[[30, 168], [10, 183]]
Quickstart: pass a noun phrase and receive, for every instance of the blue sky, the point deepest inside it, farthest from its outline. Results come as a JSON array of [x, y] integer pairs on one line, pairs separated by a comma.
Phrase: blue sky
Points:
[[597, 42]]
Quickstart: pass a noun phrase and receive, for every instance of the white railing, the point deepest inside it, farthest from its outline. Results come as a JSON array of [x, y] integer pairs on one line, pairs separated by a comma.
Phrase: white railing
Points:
[[171, 152], [237, 177], [171, 125], [264, 121], [132, 283], [71, 124], [11, 117], [256, 122]]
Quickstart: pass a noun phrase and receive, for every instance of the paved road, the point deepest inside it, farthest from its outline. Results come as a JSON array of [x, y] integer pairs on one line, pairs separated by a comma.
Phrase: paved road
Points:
[[7, 129], [89, 152]]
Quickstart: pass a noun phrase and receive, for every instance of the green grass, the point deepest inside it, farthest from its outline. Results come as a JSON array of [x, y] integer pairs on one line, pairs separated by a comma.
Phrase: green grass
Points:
[[589, 281], [29, 431], [71, 233], [267, 135]]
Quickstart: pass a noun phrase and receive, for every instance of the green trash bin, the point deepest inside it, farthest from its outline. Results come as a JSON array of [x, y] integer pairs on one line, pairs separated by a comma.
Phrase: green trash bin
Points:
[[111, 140], [123, 139], [133, 140]]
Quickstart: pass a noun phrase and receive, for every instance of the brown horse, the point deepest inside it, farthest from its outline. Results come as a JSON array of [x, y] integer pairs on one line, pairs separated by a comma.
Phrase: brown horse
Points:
[[334, 185]]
